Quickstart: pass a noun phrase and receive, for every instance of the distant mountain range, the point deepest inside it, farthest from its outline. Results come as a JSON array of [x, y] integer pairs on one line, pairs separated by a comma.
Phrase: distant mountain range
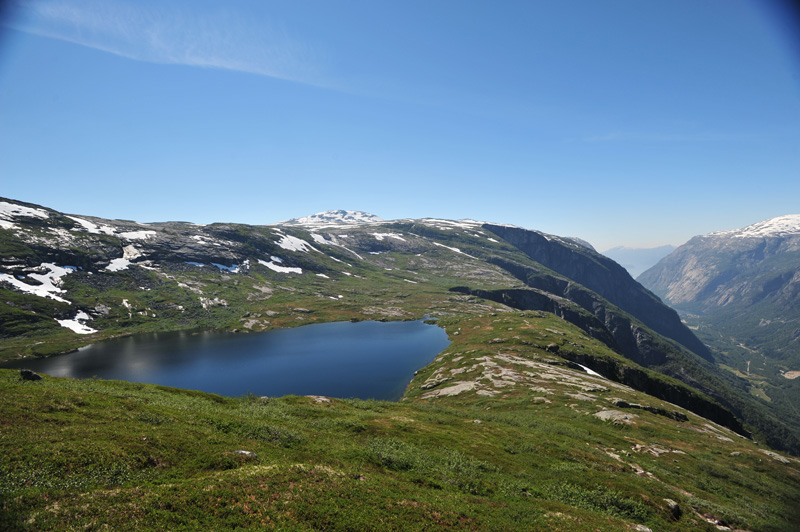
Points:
[[734, 268], [637, 260]]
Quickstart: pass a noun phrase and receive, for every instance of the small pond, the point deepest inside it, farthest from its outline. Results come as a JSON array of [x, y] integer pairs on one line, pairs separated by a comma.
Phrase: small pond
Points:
[[367, 360]]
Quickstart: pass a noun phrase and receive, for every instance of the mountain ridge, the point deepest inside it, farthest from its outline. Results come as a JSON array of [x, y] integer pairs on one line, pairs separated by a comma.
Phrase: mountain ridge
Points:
[[788, 224], [126, 277], [702, 274]]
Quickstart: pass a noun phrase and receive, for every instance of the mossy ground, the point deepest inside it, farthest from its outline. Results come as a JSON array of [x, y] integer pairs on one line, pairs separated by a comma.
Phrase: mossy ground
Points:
[[93, 454]]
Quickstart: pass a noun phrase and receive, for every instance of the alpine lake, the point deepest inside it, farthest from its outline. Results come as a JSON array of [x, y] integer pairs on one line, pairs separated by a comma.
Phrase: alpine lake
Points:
[[365, 360]]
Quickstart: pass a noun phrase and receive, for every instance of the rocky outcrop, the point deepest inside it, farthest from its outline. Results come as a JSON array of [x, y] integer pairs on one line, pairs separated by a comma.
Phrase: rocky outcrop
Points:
[[601, 275], [640, 379], [28, 375]]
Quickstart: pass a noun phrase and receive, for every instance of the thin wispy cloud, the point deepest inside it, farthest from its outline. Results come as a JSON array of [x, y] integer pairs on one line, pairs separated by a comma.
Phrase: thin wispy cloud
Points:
[[663, 137], [162, 32]]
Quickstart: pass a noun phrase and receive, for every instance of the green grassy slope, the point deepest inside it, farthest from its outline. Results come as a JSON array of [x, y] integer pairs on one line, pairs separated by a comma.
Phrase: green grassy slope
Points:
[[498, 433]]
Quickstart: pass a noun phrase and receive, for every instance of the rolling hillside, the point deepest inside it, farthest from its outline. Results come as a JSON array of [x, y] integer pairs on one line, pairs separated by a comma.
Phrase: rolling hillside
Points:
[[570, 397]]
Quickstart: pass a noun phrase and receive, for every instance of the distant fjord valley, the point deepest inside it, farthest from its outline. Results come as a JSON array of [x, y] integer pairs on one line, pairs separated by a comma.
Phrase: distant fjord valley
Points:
[[566, 396], [638, 260]]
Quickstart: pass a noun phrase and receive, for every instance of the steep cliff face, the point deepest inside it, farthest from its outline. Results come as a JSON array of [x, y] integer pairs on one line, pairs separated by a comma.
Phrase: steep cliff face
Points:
[[604, 277], [597, 318], [744, 284]]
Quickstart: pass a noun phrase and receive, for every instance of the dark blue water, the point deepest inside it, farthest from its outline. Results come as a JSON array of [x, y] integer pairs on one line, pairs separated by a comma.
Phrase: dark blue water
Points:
[[368, 360]]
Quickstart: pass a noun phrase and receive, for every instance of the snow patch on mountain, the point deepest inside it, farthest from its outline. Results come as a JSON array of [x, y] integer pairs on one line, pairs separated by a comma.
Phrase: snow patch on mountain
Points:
[[319, 239], [381, 236], [775, 227], [49, 281], [10, 211], [117, 265], [453, 249], [278, 268], [579, 241], [232, 269], [95, 229], [129, 253], [91, 227], [339, 217], [78, 324], [448, 225], [137, 235], [292, 243]]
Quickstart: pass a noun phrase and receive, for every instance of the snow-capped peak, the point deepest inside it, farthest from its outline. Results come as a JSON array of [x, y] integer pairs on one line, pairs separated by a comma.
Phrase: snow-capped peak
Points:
[[779, 226], [340, 217]]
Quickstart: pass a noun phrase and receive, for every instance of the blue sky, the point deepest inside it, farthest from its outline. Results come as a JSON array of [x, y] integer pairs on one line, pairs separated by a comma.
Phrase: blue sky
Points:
[[622, 122]]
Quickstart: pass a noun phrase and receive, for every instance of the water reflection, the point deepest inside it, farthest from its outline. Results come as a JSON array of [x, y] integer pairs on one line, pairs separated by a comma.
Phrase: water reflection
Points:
[[365, 360]]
